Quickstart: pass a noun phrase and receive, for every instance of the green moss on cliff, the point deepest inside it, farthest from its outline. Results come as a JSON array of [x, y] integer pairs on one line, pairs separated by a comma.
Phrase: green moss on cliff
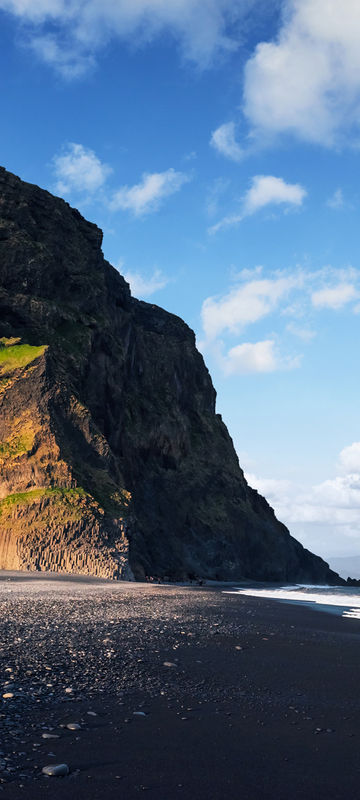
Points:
[[4, 342], [61, 504], [113, 500], [17, 446], [29, 497], [20, 439], [17, 356]]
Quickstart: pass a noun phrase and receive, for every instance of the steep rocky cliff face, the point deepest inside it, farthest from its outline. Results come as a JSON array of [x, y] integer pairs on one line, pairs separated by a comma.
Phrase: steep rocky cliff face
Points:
[[113, 460]]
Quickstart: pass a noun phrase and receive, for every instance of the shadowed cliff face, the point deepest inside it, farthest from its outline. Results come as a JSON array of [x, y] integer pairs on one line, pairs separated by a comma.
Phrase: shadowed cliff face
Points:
[[112, 458]]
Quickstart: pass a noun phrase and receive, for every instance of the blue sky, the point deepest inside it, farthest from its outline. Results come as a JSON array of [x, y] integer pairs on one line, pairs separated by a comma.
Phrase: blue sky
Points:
[[216, 142]]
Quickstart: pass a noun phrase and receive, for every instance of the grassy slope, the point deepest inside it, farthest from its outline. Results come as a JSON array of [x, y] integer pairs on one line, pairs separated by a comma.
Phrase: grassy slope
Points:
[[17, 356]]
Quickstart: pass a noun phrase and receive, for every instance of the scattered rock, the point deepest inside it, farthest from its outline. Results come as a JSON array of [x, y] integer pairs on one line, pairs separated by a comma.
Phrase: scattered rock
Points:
[[56, 770]]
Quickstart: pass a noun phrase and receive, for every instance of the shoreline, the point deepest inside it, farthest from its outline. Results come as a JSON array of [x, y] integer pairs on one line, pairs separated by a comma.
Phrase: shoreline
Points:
[[258, 699]]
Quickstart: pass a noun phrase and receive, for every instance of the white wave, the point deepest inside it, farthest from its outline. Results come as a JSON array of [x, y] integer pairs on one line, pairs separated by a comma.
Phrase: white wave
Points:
[[352, 613], [294, 594]]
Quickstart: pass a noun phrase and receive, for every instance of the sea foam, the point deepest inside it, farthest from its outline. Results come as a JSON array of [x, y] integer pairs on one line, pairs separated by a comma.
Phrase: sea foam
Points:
[[334, 599]]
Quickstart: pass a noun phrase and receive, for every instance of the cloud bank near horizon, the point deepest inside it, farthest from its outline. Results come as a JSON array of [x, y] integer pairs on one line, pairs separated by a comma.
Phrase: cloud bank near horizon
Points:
[[325, 516]]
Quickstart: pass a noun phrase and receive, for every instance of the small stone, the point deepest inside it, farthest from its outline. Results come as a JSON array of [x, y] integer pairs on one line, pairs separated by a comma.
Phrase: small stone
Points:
[[139, 714], [169, 664], [68, 690], [73, 726], [91, 713], [56, 770], [8, 695], [50, 736]]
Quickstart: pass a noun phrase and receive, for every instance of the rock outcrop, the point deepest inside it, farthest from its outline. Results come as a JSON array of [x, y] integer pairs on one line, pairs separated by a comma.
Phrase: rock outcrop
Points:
[[113, 461]]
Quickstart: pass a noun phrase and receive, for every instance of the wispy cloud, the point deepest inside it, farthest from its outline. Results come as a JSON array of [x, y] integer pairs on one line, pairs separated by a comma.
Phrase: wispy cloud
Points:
[[305, 334], [68, 60], [80, 29], [146, 196], [252, 298], [336, 200], [223, 139], [216, 190], [78, 169], [307, 81], [265, 190], [244, 304], [142, 286], [334, 297]]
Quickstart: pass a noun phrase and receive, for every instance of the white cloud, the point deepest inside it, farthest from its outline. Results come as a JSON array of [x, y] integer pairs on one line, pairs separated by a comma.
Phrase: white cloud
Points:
[[224, 141], [244, 304], [350, 458], [325, 516], [247, 357], [202, 28], [273, 489], [307, 81], [251, 298], [144, 287], [79, 169], [35, 10], [265, 190], [334, 297], [256, 357], [336, 200], [146, 196]]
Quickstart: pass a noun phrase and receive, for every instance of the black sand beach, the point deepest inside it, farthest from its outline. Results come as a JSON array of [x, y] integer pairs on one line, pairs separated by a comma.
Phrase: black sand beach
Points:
[[238, 697]]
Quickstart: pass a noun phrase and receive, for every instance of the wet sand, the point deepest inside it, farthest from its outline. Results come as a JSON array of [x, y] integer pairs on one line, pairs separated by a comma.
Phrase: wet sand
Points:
[[239, 697]]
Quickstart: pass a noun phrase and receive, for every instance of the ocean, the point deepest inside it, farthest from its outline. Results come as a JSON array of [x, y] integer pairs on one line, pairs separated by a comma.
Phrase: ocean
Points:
[[344, 601]]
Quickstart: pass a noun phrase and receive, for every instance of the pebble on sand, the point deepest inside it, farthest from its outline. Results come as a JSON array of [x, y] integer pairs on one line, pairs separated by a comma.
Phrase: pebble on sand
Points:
[[73, 726], [56, 770]]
